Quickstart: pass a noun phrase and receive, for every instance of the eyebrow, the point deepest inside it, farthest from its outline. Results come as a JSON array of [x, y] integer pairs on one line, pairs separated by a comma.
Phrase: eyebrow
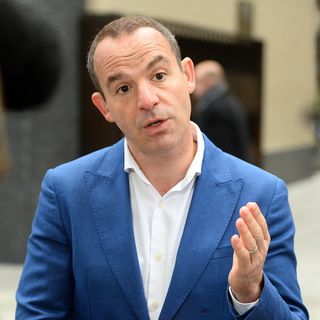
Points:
[[155, 61], [113, 78]]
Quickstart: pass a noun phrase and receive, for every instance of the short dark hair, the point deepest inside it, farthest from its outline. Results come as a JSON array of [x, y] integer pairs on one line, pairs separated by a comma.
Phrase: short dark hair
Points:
[[128, 25]]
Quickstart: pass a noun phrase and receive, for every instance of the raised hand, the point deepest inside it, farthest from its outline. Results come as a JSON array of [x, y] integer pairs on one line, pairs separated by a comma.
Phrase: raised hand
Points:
[[250, 251]]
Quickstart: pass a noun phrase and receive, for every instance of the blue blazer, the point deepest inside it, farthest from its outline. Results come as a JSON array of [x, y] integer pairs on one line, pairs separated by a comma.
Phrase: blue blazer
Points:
[[82, 260]]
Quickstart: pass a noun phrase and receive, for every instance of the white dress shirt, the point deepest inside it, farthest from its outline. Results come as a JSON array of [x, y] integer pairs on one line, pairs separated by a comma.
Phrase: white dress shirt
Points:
[[158, 224]]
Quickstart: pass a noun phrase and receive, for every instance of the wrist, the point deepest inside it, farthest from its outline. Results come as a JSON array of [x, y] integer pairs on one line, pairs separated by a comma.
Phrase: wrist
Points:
[[247, 291], [246, 296]]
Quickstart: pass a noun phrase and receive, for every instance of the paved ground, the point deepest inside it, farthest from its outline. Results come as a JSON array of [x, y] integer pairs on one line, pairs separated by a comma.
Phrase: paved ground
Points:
[[305, 202], [9, 275]]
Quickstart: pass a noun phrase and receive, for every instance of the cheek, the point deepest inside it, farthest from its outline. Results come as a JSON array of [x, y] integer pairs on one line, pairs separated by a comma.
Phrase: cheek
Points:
[[125, 121], [185, 103], [179, 92], [121, 111]]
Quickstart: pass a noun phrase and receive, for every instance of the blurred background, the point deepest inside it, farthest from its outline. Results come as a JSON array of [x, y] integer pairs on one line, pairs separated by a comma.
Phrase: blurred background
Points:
[[270, 51]]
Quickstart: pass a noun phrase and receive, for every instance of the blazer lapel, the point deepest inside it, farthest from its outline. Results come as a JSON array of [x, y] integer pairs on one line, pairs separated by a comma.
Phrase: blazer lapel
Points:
[[110, 204], [214, 200]]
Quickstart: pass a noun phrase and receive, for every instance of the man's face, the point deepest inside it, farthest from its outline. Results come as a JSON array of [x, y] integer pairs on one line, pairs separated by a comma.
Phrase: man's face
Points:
[[146, 92]]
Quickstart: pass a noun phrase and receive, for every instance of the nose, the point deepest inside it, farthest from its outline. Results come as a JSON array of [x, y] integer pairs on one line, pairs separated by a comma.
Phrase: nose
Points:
[[147, 97]]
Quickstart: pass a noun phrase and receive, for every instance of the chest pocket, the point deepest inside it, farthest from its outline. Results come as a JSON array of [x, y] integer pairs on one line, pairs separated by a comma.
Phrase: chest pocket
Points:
[[223, 252]]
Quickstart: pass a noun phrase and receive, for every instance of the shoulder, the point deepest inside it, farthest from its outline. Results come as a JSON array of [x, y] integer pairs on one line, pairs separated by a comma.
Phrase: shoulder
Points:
[[227, 167], [254, 183]]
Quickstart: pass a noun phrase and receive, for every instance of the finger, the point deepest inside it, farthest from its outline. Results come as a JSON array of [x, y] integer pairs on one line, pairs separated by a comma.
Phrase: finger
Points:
[[253, 227], [255, 210], [246, 236], [241, 252]]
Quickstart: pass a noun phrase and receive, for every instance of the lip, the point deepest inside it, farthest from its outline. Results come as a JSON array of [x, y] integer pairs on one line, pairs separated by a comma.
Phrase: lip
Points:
[[152, 123], [159, 126]]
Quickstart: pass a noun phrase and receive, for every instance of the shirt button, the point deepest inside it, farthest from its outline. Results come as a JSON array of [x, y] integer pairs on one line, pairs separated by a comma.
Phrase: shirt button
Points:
[[154, 305], [161, 204], [157, 257]]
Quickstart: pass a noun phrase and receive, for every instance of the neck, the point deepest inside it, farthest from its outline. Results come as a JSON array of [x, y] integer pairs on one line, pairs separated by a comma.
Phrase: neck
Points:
[[165, 171]]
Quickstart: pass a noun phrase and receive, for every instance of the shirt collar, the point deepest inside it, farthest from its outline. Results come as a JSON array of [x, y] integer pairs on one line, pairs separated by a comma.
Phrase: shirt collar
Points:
[[194, 170]]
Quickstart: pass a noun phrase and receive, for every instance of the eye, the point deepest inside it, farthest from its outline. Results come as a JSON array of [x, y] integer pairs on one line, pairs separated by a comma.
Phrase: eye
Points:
[[159, 76], [123, 89]]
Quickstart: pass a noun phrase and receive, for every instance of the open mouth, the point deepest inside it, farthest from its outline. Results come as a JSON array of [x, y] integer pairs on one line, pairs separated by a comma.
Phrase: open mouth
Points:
[[154, 124]]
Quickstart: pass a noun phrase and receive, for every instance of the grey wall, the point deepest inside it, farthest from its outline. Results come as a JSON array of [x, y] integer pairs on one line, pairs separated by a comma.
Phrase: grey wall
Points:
[[293, 165], [42, 138]]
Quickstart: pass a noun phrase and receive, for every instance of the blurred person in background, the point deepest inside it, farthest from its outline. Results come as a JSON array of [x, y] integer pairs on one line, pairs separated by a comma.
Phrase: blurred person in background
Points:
[[163, 224], [30, 63], [218, 113]]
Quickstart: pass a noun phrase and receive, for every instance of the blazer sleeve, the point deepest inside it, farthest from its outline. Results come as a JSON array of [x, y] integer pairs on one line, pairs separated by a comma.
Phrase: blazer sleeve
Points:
[[46, 286], [280, 298]]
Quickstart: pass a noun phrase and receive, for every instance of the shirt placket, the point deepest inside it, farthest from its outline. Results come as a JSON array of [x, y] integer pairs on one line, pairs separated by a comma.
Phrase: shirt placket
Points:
[[158, 258]]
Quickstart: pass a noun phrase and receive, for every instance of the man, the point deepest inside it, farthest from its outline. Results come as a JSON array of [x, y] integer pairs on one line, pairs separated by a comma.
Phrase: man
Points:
[[142, 229], [218, 113]]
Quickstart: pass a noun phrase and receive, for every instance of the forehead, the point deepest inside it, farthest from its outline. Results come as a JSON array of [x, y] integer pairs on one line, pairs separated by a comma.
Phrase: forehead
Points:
[[131, 48]]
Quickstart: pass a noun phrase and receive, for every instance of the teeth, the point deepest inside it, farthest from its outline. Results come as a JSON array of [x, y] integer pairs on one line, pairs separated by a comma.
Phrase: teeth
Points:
[[154, 124]]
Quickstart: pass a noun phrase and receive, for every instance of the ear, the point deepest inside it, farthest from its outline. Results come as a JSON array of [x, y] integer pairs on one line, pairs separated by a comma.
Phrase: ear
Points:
[[101, 104], [188, 71]]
